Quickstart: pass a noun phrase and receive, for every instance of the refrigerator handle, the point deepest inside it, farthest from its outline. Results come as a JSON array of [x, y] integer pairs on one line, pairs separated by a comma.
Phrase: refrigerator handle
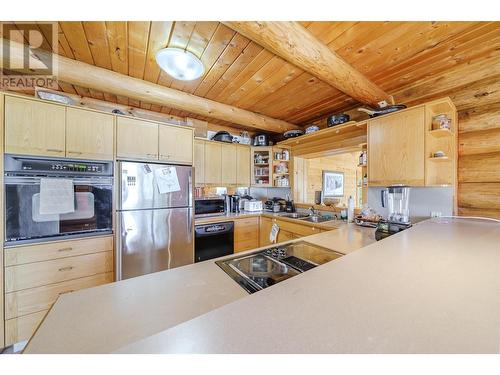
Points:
[[118, 249]]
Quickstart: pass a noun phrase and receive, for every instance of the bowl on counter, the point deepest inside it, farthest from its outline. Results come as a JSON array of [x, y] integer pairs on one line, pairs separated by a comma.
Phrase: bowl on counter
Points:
[[331, 202]]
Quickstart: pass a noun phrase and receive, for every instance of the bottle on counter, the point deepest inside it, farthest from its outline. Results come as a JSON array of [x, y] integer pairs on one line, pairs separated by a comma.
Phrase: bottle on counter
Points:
[[350, 209]]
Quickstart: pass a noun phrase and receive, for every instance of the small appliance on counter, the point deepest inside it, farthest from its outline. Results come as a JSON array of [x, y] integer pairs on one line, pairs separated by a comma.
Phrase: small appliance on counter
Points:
[[253, 206], [232, 203], [209, 207], [264, 268], [261, 140], [275, 205], [397, 200], [289, 205]]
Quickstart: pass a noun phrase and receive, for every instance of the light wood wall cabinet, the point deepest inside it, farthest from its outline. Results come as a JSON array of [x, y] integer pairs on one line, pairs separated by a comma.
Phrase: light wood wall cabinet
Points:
[[243, 163], [136, 139], [228, 164], [246, 234], [89, 135], [223, 164], [396, 146], [33, 127], [176, 144], [199, 162], [36, 275], [213, 162]]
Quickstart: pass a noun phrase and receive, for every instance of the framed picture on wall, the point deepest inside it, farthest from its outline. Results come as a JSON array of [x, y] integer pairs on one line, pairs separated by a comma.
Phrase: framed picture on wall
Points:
[[333, 184]]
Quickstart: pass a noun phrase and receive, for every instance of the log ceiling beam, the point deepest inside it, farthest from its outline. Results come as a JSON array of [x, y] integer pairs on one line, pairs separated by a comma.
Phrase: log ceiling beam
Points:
[[298, 46], [93, 77]]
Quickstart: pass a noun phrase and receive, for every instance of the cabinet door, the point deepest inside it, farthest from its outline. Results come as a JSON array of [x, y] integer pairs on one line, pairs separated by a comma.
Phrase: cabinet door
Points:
[[246, 234], [284, 236], [396, 149], [228, 164], [34, 128], [199, 162], [264, 231], [176, 144], [243, 165], [89, 135], [136, 139], [213, 163]]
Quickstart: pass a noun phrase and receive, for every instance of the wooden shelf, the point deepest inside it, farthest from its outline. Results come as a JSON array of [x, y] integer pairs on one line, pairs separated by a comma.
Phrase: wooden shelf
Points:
[[438, 133], [261, 164]]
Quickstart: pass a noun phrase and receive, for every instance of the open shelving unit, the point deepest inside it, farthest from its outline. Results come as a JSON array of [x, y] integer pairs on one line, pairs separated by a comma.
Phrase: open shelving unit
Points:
[[440, 170]]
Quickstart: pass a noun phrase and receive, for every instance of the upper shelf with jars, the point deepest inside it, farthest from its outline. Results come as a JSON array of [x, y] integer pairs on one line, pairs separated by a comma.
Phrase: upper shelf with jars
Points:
[[270, 167]]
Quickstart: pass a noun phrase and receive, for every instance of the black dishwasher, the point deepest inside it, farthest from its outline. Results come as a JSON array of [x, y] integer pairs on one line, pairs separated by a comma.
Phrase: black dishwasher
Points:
[[213, 240]]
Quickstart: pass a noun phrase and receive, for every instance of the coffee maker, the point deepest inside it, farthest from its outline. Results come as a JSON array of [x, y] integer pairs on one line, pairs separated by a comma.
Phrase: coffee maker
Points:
[[397, 200]]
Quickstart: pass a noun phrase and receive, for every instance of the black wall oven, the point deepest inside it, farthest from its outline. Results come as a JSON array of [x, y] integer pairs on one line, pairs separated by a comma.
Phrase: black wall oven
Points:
[[93, 199]]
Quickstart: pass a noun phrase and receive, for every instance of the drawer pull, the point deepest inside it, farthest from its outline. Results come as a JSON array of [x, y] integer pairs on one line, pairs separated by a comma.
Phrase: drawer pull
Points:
[[75, 152], [67, 291], [152, 155], [65, 249], [53, 150], [69, 268], [166, 156]]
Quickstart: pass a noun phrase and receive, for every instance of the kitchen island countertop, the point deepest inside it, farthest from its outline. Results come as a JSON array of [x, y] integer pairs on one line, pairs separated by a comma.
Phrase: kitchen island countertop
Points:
[[434, 288], [105, 318]]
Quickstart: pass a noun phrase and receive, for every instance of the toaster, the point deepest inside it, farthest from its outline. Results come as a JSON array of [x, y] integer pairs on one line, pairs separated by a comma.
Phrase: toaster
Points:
[[253, 206]]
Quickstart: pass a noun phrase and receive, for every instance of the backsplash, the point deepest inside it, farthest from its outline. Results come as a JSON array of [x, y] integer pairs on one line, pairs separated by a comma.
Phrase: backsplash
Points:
[[422, 201], [265, 193]]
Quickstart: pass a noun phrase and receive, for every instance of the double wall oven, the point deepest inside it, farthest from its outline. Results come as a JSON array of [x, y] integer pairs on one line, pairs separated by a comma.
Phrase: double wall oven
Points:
[[93, 199]]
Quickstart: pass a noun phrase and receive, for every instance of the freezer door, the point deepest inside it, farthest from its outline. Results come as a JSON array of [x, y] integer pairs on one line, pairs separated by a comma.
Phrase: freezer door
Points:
[[140, 186], [153, 240]]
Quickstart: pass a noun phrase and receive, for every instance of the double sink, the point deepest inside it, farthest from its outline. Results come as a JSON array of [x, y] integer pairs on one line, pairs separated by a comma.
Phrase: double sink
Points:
[[307, 217]]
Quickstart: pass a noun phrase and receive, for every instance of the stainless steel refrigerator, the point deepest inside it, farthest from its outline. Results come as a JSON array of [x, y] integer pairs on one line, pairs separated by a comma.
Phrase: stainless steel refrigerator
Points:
[[155, 218]]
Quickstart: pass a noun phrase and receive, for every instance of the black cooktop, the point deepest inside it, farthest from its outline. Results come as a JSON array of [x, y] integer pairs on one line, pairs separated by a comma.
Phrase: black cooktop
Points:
[[264, 268]]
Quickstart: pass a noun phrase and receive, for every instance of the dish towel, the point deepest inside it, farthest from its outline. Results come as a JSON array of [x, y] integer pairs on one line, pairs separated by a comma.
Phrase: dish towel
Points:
[[57, 196], [273, 235]]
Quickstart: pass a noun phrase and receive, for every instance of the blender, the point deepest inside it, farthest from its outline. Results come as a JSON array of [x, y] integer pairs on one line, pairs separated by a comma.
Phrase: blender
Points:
[[397, 200]]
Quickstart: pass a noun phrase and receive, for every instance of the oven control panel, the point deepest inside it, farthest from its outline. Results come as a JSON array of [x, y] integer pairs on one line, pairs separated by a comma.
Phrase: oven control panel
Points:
[[58, 166], [21, 164]]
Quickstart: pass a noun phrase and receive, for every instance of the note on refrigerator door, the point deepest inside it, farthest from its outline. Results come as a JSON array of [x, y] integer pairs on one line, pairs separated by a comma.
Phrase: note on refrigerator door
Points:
[[166, 180], [57, 196]]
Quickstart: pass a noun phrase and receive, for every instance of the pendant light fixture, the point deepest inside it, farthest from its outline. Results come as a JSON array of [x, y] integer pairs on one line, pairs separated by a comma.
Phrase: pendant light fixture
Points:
[[180, 64]]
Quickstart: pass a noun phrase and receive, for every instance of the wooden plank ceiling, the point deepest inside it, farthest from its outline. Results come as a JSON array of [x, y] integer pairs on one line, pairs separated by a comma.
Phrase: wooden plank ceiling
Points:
[[402, 58]]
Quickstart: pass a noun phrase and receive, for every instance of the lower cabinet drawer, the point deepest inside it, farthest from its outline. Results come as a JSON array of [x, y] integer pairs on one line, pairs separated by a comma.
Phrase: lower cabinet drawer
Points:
[[33, 275], [33, 300], [21, 329], [55, 250]]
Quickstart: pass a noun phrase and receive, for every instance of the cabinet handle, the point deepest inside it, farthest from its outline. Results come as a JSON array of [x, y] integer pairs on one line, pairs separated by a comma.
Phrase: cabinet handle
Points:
[[152, 155], [65, 249], [75, 152], [69, 268], [53, 150], [67, 291], [166, 156]]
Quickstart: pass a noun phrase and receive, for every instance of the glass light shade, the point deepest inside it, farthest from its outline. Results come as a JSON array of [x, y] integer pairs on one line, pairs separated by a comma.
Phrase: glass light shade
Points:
[[180, 64]]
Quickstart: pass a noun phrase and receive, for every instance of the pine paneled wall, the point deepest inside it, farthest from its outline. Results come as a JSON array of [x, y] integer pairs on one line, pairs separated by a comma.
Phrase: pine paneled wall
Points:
[[479, 161]]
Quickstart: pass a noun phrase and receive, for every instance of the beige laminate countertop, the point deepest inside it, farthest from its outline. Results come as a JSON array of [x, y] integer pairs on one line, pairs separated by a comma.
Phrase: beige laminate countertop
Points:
[[108, 317], [434, 288]]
